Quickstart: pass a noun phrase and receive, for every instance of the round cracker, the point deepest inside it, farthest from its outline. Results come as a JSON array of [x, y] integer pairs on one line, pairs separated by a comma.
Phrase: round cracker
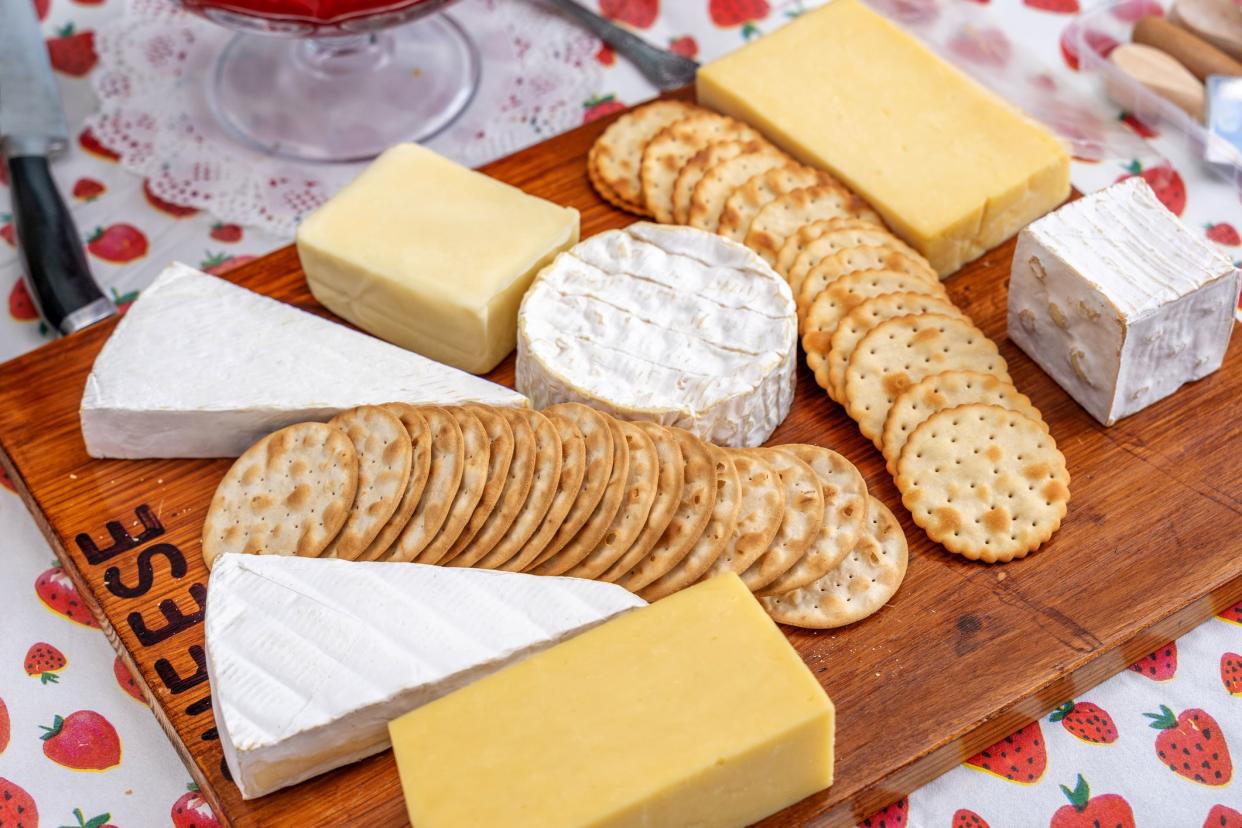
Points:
[[288, 494], [898, 353], [829, 367], [716, 152], [476, 453], [842, 265], [443, 479], [631, 517], [420, 467], [617, 153], [384, 459], [501, 445], [845, 516], [780, 218], [985, 482], [860, 585], [841, 235], [706, 550], [565, 486], [823, 316], [718, 183], [606, 192], [694, 510], [746, 201], [672, 147], [947, 390], [800, 523], [759, 516], [798, 241]]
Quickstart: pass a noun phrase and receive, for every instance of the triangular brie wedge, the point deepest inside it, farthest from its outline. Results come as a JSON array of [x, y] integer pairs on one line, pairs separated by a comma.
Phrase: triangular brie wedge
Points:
[[200, 367], [309, 658]]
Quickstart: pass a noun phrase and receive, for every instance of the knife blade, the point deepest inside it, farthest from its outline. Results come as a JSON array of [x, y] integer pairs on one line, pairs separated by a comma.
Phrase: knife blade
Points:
[[32, 128]]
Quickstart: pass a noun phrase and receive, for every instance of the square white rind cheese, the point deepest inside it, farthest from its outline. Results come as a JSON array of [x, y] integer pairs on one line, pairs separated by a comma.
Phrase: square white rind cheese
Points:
[[1120, 302], [310, 658], [200, 367]]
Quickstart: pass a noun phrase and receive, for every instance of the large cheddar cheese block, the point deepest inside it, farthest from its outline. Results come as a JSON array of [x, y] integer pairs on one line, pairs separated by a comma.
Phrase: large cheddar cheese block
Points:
[[432, 256], [692, 711], [953, 169]]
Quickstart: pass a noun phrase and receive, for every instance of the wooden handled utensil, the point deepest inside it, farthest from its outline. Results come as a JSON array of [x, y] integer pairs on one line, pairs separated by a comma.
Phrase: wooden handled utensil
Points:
[[1193, 52], [1161, 74]]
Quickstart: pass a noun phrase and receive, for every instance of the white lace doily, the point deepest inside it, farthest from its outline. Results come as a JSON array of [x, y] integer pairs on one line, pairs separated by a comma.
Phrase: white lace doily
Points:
[[154, 62]]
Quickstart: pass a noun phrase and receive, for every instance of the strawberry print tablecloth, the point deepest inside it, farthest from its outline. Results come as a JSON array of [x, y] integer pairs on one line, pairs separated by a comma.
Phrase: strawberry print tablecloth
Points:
[[1153, 746]]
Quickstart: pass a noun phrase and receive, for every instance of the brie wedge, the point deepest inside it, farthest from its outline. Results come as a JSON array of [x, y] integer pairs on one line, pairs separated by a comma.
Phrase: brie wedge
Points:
[[1119, 302], [669, 324], [200, 367], [310, 658]]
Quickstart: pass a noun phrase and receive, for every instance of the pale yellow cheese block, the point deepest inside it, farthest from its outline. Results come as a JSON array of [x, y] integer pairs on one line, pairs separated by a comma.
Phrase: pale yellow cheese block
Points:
[[692, 711], [952, 168], [432, 256]]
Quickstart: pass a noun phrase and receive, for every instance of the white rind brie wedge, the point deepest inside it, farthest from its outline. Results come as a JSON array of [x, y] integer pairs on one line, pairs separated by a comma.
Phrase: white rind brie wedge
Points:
[[310, 658], [200, 367], [669, 324]]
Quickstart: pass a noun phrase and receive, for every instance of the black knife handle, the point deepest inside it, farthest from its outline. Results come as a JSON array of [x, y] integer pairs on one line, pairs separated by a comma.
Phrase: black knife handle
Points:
[[51, 251]]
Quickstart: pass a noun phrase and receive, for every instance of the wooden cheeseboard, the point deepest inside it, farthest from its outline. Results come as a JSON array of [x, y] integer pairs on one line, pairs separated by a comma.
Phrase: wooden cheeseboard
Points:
[[962, 656]]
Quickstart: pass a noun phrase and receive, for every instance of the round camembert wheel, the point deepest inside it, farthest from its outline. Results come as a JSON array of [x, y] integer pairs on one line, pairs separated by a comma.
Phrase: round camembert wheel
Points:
[[669, 324]]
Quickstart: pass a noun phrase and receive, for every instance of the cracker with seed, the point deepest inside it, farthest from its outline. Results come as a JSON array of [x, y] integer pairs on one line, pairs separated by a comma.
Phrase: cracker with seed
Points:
[[804, 514], [631, 517], [746, 201], [898, 353], [288, 494], [860, 585], [829, 367], [672, 148], [669, 484], [443, 479], [716, 534], [694, 510], [384, 459], [836, 300], [716, 152], [985, 482], [721, 181], [515, 551], [616, 157], [801, 239], [845, 516], [842, 237], [947, 390], [513, 497], [759, 516], [476, 453], [501, 444], [780, 218], [420, 467]]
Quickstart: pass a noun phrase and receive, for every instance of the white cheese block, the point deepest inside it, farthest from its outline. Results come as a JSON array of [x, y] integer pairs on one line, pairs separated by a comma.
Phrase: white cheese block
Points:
[[310, 658], [1120, 302], [200, 367], [669, 324]]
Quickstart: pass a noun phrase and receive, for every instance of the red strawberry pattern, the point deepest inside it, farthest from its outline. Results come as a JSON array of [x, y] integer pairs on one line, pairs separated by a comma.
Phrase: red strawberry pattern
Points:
[[1099, 42], [981, 45], [1165, 182], [192, 811], [1222, 816], [1232, 614], [123, 301], [83, 740], [227, 233], [909, 12], [4, 726], [165, 207], [1086, 811], [72, 52], [44, 662], [1020, 757], [8, 231], [600, 106], [1191, 745], [217, 263], [686, 46], [894, 816], [41, 7], [726, 13], [17, 808], [1140, 128], [1223, 233], [118, 243], [5, 482], [1132, 11], [21, 305], [59, 594], [89, 142], [125, 680], [606, 56], [966, 818], [1086, 721], [1160, 665], [640, 14], [1055, 6], [1231, 673], [100, 821], [87, 189]]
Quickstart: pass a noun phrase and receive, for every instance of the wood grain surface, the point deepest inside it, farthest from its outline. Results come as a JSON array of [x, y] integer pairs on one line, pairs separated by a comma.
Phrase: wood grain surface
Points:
[[963, 655]]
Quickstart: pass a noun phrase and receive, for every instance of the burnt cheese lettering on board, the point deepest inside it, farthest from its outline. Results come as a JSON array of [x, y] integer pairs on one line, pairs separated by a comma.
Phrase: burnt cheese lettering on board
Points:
[[172, 567]]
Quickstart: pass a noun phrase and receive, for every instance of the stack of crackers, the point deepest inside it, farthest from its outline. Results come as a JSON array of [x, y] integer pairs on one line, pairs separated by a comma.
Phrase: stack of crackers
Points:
[[566, 491]]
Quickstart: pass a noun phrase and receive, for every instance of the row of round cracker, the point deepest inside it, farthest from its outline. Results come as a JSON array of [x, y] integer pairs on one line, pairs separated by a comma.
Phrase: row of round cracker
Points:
[[567, 491]]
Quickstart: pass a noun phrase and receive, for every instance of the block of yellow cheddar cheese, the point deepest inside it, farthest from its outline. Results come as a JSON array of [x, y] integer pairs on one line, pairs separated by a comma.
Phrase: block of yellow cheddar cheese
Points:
[[692, 711], [432, 256], [952, 168]]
